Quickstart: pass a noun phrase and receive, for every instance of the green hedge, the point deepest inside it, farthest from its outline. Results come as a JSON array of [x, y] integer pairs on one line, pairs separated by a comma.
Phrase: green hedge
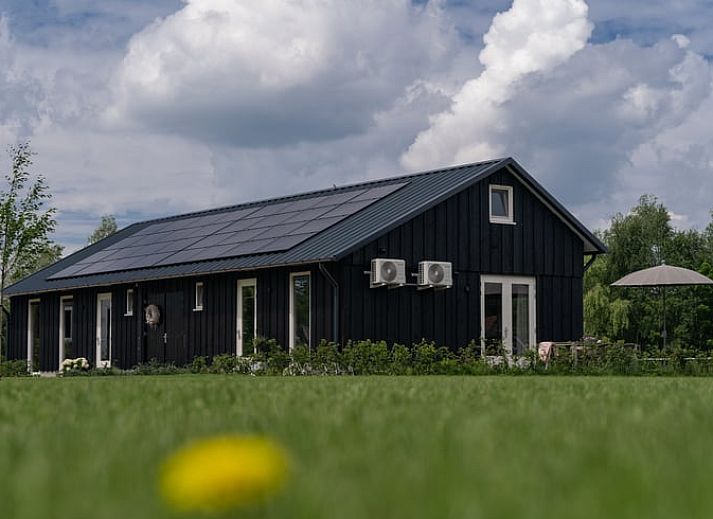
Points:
[[423, 358]]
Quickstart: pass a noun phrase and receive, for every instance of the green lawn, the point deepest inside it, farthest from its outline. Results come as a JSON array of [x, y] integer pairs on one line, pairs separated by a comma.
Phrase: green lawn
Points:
[[372, 448]]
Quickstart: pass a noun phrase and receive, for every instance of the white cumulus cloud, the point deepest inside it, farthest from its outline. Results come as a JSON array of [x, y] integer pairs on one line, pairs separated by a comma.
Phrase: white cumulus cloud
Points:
[[532, 36], [277, 72]]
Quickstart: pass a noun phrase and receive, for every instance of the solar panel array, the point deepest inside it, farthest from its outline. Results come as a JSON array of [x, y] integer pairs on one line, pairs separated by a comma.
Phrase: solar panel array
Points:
[[271, 227]]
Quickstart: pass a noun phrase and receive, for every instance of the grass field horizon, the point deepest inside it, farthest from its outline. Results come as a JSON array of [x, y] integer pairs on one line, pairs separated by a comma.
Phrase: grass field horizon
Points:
[[369, 446]]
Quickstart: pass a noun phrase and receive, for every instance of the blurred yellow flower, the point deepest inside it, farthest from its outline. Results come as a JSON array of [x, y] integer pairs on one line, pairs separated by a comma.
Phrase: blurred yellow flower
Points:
[[221, 473]]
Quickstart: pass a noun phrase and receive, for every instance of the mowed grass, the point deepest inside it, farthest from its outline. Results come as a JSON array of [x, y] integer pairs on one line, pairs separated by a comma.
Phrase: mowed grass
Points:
[[376, 447]]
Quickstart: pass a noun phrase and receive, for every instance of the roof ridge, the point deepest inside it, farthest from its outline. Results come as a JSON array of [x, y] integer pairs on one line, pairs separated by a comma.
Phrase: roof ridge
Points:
[[308, 194]]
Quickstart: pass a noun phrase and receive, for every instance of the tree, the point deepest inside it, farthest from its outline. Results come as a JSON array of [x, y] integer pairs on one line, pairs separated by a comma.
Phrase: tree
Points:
[[26, 223], [107, 227], [637, 240]]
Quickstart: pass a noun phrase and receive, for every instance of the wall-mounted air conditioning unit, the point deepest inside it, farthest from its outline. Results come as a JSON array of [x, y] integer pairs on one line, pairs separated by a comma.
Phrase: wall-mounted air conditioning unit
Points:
[[388, 272], [435, 274]]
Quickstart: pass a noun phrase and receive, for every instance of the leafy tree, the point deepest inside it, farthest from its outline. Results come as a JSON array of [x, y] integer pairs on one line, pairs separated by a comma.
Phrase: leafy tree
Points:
[[641, 239], [26, 223], [106, 227]]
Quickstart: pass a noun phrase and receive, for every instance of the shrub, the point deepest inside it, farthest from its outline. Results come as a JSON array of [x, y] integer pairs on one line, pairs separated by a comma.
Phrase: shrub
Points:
[[224, 363], [152, 367], [424, 357], [401, 360], [366, 358], [13, 368], [326, 359], [199, 365]]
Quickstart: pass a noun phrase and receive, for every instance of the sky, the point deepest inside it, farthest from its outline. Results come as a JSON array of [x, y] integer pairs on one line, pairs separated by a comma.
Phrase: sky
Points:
[[145, 109]]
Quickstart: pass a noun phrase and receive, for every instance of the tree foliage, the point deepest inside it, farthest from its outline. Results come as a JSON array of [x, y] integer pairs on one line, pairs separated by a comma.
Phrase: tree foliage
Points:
[[640, 239], [26, 222], [106, 227]]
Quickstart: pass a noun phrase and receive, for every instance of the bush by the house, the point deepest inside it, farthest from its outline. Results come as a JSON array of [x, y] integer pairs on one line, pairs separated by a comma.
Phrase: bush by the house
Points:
[[368, 357], [13, 368]]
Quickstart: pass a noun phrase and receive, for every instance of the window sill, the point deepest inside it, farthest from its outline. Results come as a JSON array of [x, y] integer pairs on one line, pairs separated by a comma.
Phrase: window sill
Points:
[[198, 309], [129, 315], [502, 222]]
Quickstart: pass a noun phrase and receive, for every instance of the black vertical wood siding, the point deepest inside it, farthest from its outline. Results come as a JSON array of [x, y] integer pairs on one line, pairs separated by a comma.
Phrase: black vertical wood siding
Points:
[[458, 230], [540, 245]]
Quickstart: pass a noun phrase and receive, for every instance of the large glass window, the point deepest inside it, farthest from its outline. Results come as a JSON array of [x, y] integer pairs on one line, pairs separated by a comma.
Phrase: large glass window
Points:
[[103, 331], [520, 318], [493, 318], [65, 329], [300, 309], [247, 315]]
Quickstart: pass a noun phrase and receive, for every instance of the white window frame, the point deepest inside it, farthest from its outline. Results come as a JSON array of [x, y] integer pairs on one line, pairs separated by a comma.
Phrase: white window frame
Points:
[[198, 307], [29, 335], [62, 300], [129, 310], [506, 283], [293, 275], [242, 283], [510, 218], [101, 363]]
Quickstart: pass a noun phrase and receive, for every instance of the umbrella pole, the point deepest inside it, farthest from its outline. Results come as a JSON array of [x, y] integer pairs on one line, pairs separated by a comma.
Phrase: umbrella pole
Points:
[[664, 318]]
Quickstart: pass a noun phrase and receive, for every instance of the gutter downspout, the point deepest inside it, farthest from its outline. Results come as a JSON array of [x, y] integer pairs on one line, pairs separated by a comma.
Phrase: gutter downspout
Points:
[[335, 301], [592, 259]]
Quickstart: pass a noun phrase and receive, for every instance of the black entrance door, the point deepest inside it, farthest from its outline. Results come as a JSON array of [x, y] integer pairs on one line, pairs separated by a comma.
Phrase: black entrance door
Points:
[[166, 341]]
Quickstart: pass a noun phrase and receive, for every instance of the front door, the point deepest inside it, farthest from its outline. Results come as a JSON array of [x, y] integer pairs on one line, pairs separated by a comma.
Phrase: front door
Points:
[[166, 341], [103, 342], [507, 314], [247, 315]]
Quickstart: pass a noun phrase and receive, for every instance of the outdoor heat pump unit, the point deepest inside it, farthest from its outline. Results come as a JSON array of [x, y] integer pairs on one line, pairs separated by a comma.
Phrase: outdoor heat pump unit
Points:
[[435, 274], [388, 272]]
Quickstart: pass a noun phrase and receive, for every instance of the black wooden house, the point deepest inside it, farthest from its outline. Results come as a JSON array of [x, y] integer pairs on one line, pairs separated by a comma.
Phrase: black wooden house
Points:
[[509, 262]]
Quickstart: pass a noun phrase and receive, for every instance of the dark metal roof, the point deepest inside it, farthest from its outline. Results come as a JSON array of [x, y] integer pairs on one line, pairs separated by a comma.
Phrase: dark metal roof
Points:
[[420, 192]]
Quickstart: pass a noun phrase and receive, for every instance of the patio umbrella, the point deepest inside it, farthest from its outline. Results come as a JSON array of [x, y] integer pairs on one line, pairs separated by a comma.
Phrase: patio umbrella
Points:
[[663, 276]]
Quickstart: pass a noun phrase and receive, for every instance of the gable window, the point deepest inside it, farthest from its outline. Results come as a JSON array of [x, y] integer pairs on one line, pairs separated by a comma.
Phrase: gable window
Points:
[[300, 309], [129, 303], [501, 204], [198, 297]]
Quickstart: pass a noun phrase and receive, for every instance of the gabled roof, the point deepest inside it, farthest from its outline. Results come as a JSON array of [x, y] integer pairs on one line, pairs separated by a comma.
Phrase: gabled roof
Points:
[[406, 197]]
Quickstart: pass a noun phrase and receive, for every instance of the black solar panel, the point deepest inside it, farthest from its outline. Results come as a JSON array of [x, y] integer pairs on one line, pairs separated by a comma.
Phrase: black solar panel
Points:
[[271, 227]]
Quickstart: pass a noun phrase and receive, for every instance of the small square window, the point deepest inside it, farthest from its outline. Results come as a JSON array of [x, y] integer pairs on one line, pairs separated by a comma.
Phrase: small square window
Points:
[[198, 297], [501, 204], [129, 303]]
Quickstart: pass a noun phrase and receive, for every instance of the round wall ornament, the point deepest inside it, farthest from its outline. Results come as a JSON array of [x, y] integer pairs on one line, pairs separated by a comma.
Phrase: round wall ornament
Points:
[[153, 315]]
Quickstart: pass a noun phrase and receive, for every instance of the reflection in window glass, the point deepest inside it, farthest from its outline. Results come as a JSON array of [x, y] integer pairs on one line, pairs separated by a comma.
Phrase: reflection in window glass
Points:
[[105, 324], [499, 203], [492, 333], [520, 319], [300, 310], [67, 330], [129, 302], [199, 296], [248, 318]]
